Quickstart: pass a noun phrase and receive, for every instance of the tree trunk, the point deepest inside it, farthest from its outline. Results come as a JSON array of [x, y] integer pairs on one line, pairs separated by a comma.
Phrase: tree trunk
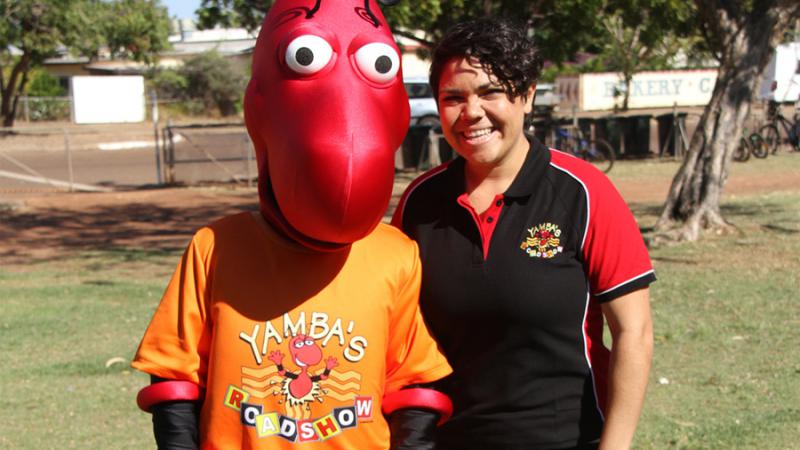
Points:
[[626, 95], [17, 95], [11, 91], [693, 202]]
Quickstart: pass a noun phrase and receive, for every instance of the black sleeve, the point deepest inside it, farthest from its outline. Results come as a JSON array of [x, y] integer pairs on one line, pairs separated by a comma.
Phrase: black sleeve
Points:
[[175, 424], [413, 429]]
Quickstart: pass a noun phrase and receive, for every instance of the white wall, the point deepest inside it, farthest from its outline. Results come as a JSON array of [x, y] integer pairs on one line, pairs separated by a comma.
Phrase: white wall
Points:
[[656, 89], [415, 67], [784, 70], [107, 99]]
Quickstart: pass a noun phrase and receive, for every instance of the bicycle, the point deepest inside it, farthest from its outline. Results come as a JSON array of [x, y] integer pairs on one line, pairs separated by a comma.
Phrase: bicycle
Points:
[[597, 151], [752, 145], [771, 133]]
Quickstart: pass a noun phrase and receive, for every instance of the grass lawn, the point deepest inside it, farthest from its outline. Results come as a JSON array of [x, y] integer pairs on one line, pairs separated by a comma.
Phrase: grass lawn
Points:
[[725, 374], [63, 324], [727, 329]]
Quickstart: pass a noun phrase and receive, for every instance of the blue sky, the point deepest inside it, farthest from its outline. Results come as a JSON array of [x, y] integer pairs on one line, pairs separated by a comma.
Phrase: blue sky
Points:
[[183, 9]]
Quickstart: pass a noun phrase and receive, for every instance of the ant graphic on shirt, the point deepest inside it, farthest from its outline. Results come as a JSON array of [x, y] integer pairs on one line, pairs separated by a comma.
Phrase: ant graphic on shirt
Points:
[[301, 387]]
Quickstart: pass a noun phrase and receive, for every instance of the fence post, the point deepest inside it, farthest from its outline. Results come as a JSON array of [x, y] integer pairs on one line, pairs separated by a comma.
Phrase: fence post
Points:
[[26, 108], [69, 160], [164, 146], [575, 116], [154, 116], [170, 153]]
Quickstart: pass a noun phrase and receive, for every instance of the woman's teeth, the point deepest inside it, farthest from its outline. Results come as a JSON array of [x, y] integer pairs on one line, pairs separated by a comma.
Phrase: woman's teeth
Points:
[[476, 137], [477, 133]]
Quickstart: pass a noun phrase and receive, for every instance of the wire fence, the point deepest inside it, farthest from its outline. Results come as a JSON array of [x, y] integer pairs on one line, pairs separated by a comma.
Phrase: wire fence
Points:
[[60, 156], [122, 156], [46, 109], [208, 152]]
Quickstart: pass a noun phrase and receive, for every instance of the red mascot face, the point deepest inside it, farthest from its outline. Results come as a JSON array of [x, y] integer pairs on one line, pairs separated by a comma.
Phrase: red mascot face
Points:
[[326, 109]]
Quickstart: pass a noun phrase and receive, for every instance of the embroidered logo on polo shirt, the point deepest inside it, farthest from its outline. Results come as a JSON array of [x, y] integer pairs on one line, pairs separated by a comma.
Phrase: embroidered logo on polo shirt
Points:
[[544, 241]]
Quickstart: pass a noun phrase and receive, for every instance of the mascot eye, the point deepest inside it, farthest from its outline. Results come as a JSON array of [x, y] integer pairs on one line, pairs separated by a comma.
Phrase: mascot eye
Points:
[[298, 344], [378, 62], [308, 54], [309, 342]]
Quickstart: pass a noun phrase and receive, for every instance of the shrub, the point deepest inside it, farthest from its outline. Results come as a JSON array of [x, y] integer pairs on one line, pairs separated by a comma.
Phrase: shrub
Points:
[[215, 80]]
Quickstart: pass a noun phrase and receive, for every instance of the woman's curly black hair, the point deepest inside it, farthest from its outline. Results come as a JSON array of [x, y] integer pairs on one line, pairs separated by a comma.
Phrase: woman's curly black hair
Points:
[[501, 47]]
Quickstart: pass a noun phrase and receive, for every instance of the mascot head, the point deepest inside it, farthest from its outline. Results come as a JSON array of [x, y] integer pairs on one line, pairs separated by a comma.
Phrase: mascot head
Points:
[[326, 110]]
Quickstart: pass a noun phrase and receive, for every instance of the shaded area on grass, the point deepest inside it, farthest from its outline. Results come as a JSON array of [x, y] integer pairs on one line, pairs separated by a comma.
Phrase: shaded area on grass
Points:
[[767, 216], [46, 230]]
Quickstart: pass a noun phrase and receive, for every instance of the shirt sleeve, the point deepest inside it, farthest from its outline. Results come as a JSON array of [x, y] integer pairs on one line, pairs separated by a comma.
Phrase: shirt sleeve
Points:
[[412, 355], [175, 345], [614, 252]]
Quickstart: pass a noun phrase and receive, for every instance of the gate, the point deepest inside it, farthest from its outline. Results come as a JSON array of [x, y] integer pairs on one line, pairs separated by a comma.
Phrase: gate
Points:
[[215, 152]]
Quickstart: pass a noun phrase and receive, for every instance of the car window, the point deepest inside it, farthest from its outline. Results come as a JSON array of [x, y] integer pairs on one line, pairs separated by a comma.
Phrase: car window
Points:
[[418, 90]]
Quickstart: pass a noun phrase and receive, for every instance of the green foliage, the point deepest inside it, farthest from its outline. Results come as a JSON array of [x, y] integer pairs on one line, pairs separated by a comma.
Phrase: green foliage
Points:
[[170, 84], [39, 29], [561, 27], [213, 79], [172, 89], [41, 102], [642, 34], [34, 27], [45, 85], [233, 13], [139, 31]]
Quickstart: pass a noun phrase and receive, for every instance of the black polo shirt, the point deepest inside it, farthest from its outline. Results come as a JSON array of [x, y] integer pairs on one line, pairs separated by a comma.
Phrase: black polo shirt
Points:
[[513, 297]]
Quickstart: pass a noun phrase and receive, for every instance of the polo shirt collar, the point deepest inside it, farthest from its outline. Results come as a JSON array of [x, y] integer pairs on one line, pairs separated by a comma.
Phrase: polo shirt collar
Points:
[[532, 171], [525, 183]]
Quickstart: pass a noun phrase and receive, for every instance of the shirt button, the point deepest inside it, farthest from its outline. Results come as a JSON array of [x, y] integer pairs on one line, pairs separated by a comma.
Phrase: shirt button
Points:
[[499, 203], [489, 219]]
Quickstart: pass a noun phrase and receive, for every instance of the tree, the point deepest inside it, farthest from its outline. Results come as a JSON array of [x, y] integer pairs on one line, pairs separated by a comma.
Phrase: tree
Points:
[[215, 80], [250, 13], [33, 30], [743, 35], [639, 35], [139, 29], [208, 77], [552, 21]]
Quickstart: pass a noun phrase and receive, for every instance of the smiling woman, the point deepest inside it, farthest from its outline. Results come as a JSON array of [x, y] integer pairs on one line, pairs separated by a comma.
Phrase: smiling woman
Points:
[[525, 251]]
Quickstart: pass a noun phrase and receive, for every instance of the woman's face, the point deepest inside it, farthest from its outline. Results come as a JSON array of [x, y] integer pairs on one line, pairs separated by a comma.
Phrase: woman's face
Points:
[[478, 119]]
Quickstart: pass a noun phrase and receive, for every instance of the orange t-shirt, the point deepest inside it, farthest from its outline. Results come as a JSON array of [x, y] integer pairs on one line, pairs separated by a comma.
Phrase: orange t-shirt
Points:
[[292, 346]]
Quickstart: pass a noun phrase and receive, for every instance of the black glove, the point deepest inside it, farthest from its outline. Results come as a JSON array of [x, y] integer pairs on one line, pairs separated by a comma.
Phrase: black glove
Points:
[[413, 429], [176, 424]]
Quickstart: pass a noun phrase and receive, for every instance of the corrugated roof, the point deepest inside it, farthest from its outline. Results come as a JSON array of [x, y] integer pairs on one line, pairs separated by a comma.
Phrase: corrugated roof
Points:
[[231, 47]]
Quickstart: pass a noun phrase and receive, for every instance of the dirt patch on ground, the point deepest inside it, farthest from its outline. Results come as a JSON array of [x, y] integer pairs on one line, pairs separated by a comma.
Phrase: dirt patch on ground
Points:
[[40, 226], [655, 190], [44, 226]]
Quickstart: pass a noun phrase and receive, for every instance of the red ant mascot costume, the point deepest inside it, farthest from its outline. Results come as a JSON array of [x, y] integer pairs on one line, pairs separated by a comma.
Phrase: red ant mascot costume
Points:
[[300, 324]]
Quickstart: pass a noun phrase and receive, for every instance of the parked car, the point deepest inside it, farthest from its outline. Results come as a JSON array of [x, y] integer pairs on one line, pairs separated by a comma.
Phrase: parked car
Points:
[[546, 99], [420, 98]]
